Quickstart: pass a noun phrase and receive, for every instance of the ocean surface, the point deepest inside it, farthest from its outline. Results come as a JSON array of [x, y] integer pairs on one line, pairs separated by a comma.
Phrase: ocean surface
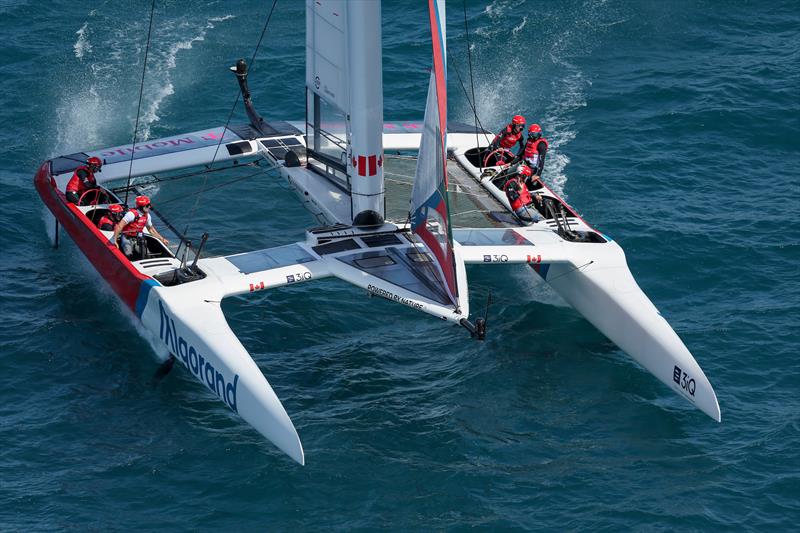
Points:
[[674, 128]]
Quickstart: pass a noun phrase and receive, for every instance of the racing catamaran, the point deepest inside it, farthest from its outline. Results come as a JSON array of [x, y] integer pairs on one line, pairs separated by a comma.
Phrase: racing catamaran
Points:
[[335, 163]]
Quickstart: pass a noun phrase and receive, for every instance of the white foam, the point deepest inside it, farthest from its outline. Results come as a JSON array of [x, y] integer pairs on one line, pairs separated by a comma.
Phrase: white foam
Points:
[[150, 114], [500, 8], [104, 89], [220, 19], [157, 94], [518, 28], [79, 120], [82, 45]]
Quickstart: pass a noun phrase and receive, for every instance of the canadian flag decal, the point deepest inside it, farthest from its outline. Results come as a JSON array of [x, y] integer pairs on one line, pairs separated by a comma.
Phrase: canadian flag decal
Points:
[[367, 165]]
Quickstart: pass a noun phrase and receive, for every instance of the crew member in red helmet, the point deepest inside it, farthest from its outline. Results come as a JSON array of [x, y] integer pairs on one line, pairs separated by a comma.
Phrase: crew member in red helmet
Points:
[[519, 197], [130, 230], [510, 136], [535, 149], [107, 222], [83, 179]]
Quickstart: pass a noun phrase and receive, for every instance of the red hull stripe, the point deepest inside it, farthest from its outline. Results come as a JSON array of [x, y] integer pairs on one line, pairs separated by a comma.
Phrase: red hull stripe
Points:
[[373, 165], [362, 165], [110, 262]]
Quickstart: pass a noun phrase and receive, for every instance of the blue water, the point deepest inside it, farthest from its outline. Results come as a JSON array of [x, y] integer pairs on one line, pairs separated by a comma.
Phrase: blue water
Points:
[[674, 128]]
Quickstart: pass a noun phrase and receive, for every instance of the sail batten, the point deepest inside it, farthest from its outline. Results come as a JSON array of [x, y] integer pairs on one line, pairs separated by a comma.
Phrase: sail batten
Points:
[[429, 213]]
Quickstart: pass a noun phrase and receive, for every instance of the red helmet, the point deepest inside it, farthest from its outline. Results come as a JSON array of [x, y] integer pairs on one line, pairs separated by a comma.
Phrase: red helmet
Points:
[[142, 201], [535, 128], [525, 171], [115, 209], [518, 119], [94, 162]]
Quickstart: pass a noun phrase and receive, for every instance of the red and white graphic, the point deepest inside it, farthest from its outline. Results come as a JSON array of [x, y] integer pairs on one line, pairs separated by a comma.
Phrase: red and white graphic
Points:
[[367, 165], [256, 286]]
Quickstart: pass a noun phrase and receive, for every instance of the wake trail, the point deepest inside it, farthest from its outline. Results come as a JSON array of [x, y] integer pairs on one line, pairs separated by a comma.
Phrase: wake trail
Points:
[[100, 88], [523, 62]]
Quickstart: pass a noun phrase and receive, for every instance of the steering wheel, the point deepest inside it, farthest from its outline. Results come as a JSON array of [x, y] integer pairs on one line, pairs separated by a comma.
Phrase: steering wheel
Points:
[[90, 197], [498, 157], [94, 196]]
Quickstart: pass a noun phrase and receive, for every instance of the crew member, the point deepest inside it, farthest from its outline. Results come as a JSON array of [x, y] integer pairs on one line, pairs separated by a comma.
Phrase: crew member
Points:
[[83, 179], [519, 197], [108, 221], [535, 149], [131, 228], [510, 135]]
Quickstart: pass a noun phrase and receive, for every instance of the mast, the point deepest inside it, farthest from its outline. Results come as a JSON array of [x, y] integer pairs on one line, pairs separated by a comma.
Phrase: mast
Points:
[[344, 83]]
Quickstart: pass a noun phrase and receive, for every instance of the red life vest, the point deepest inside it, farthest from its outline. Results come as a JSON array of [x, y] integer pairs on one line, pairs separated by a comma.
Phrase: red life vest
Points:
[[137, 226], [532, 147], [507, 137], [105, 223], [77, 185], [524, 197]]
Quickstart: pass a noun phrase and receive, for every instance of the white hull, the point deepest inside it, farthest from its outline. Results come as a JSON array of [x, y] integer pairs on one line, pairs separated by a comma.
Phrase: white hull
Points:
[[340, 180], [593, 277]]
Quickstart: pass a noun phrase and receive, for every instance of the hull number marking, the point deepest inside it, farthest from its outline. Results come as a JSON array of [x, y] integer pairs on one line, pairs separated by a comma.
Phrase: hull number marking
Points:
[[682, 378], [300, 276]]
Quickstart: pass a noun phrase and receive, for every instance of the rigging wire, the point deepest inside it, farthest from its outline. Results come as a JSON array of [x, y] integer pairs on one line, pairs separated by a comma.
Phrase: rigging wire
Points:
[[157, 179], [466, 94], [200, 191], [454, 190], [472, 86], [141, 93], [230, 114]]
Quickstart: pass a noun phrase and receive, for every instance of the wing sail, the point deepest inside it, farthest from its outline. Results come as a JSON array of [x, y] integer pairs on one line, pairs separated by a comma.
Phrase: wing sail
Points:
[[429, 213]]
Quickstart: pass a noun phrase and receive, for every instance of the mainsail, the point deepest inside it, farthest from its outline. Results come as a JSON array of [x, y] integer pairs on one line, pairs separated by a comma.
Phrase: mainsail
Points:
[[344, 100], [430, 215]]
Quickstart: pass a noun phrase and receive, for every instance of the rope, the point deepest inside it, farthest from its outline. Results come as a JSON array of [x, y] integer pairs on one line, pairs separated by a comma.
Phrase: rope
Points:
[[141, 93], [230, 114], [570, 271]]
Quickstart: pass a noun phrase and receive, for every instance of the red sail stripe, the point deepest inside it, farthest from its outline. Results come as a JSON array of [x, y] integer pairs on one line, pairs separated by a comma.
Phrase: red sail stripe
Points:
[[439, 73]]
